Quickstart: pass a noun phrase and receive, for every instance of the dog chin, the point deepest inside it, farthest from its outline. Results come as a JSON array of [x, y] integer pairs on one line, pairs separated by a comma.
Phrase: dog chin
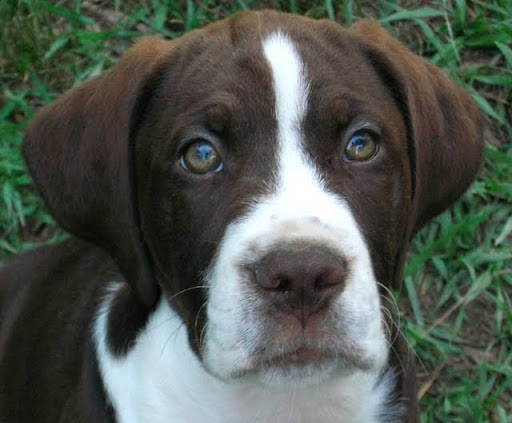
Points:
[[299, 375], [294, 371]]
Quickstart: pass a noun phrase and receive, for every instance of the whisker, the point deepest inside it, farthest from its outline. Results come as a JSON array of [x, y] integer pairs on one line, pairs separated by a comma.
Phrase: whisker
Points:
[[393, 326], [390, 298], [202, 334], [197, 319], [174, 334], [191, 288]]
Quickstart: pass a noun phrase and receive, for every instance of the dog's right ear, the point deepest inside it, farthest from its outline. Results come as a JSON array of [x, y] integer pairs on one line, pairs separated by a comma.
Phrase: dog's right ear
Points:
[[79, 148]]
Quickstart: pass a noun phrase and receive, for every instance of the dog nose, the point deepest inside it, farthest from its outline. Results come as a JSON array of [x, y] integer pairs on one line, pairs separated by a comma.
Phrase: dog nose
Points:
[[301, 281]]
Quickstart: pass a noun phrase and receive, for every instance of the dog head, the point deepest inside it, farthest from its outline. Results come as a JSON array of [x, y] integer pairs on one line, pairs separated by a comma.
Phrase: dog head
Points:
[[265, 174]]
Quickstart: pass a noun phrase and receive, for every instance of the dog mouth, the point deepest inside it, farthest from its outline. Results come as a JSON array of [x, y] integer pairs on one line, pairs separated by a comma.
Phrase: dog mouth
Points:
[[309, 358], [300, 366], [303, 359], [302, 356]]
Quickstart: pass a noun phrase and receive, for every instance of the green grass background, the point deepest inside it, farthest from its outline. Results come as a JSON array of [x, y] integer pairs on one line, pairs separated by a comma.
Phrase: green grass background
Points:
[[457, 297]]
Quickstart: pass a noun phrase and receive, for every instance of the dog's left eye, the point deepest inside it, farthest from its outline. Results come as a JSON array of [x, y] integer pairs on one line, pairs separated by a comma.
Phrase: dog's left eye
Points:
[[362, 146], [201, 157]]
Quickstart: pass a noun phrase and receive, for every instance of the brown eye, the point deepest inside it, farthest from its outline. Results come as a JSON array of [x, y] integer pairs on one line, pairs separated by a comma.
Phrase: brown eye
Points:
[[201, 157], [362, 146]]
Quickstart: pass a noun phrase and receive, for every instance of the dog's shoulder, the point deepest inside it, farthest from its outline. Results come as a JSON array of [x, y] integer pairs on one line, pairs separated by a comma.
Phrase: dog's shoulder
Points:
[[69, 265], [48, 298], [63, 280]]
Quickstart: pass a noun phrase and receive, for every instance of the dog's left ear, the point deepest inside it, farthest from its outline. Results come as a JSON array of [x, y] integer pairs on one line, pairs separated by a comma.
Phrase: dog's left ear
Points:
[[445, 127], [78, 150]]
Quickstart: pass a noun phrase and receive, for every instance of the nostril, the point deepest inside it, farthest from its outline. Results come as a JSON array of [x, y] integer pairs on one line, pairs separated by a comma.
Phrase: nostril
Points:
[[334, 276], [283, 284], [266, 277], [278, 283], [320, 283]]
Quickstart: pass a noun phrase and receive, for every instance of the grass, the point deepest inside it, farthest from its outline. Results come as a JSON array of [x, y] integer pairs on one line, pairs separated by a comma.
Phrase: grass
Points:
[[457, 296]]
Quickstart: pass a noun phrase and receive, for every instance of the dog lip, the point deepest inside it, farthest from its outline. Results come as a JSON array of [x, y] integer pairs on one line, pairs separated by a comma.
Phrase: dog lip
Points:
[[300, 356]]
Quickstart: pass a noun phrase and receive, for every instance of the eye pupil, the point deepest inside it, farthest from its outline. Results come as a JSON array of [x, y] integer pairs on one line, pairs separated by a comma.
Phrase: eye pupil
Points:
[[201, 157], [361, 147], [202, 153]]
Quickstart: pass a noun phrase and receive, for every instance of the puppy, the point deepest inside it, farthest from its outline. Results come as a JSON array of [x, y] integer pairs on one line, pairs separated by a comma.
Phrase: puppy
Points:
[[240, 201]]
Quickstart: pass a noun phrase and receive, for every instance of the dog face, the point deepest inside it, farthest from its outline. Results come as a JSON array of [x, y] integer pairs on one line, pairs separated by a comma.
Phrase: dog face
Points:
[[267, 199], [264, 174]]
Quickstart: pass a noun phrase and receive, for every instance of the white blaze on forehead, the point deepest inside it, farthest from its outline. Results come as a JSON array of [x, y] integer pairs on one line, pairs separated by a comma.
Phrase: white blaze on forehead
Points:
[[291, 99], [290, 85]]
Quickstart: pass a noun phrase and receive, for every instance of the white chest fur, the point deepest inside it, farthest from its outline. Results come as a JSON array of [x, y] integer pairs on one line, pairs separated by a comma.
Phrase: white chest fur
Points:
[[161, 380]]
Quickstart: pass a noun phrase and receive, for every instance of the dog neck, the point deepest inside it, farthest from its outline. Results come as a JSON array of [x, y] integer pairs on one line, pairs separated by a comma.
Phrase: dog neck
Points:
[[160, 379]]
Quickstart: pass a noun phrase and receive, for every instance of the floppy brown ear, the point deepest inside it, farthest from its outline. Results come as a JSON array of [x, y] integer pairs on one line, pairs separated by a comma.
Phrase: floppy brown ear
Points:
[[445, 127], [78, 150]]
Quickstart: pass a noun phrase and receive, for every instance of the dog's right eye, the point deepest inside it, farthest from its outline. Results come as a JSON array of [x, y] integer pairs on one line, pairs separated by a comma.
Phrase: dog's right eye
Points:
[[200, 156]]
